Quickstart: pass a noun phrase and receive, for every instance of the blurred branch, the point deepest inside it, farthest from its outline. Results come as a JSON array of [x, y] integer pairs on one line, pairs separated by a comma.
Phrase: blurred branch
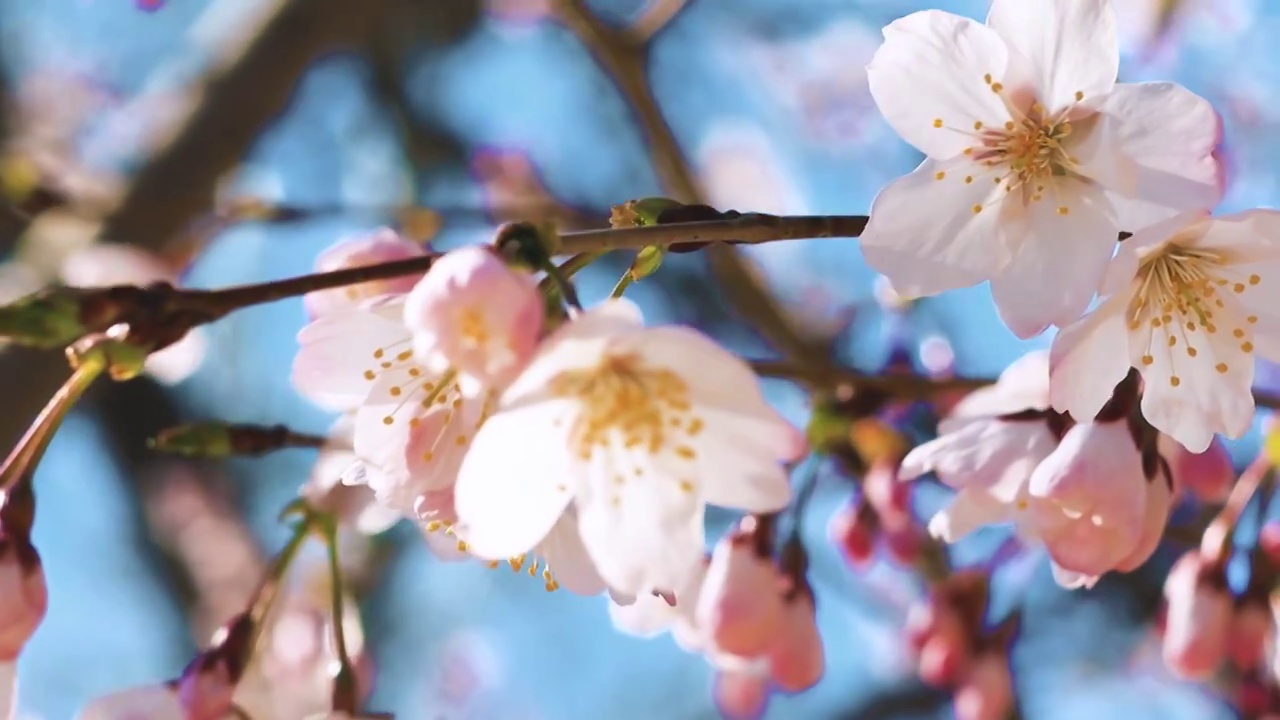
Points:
[[906, 387], [177, 185], [653, 17], [623, 56]]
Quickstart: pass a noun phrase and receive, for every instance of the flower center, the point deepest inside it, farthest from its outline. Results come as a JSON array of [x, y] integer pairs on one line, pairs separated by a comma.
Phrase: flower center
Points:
[[1031, 150], [1180, 293]]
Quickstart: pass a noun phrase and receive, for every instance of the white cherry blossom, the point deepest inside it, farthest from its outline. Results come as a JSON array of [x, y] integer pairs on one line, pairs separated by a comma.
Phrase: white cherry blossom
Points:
[[638, 429], [1036, 157], [1188, 302]]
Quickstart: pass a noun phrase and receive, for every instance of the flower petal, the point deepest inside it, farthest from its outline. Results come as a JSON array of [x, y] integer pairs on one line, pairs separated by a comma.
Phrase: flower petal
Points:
[[970, 510], [1087, 360], [980, 454], [1071, 45], [515, 481], [641, 539], [1168, 134], [567, 558], [925, 236], [1057, 270], [928, 80], [336, 359], [738, 464]]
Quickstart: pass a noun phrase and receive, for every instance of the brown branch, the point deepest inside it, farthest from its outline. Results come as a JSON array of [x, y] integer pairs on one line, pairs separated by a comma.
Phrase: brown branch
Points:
[[622, 55], [177, 184]]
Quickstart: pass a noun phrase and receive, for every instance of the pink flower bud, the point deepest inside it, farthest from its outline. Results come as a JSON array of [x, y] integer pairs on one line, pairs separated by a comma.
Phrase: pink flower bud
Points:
[[24, 597], [890, 497], [854, 537], [987, 693], [741, 694], [903, 545], [154, 702], [1269, 542], [476, 315], [1251, 629], [381, 246], [1089, 498], [740, 606], [1198, 618], [942, 661], [796, 659], [1159, 502], [1208, 476], [206, 694]]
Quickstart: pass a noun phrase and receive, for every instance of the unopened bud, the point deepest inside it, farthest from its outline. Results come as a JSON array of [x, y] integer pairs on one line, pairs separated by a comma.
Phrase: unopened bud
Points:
[[46, 319], [24, 596], [640, 213]]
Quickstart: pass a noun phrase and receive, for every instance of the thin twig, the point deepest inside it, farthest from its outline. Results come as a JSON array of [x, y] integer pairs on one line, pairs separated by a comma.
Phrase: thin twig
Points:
[[653, 17]]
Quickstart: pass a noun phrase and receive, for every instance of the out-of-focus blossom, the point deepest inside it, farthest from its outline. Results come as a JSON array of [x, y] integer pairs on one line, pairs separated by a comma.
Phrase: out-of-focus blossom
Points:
[[1252, 630], [639, 429], [1199, 616], [796, 657], [741, 694], [1037, 158], [474, 315], [1206, 476], [851, 531], [106, 264], [156, 702], [380, 246], [1186, 302], [740, 167], [987, 691]]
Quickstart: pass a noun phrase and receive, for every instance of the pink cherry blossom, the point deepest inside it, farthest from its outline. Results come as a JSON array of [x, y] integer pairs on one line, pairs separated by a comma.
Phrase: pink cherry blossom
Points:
[[1198, 618], [476, 315], [1089, 497], [796, 659], [380, 246], [1188, 302], [987, 692], [739, 605], [741, 694]]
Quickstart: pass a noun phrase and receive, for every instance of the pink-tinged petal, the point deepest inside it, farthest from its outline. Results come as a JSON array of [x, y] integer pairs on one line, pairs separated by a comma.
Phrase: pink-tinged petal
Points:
[[928, 235], [741, 694], [796, 659], [987, 693], [1168, 134], [580, 343], [1198, 619], [476, 315], [980, 454], [1070, 44], [1208, 475], [1024, 385], [516, 481], [338, 357], [970, 510], [740, 606], [929, 80], [1191, 398], [1087, 360], [1251, 237], [1096, 470], [738, 465], [381, 246], [639, 541], [1159, 502], [567, 558], [1067, 240]]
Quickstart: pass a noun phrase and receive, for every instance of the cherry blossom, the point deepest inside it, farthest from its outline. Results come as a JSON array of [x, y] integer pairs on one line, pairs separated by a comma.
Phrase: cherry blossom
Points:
[[637, 428], [333, 488], [1188, 302], [476, 316], [736, 606], [380, 246], [1036, 157]]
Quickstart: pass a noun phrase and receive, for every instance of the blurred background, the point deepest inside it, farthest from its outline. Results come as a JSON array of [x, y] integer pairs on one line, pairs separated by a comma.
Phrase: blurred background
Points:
[[236, 139]]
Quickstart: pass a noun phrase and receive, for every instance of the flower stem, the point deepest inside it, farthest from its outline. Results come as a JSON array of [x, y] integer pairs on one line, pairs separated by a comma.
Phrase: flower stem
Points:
[[26, 454], [624, 282], [344, 682], [264, 596]]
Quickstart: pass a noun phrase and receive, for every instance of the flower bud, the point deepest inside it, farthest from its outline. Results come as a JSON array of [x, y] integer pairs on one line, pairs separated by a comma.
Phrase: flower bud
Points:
[[741, 694], [853, 535], [942, 661], [1251, 629], [1207, 476], [796, 659], [381, 246], [1154, 521], [740, 606], [891, 498], [987, 693], [474, 314], [1198, 618], [24, 597]]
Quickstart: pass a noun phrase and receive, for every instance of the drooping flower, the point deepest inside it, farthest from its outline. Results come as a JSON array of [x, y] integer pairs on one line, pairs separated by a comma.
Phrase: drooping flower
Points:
[[1037, 158], [475, 315], [1187, 302], [986, 453], [380, 246], [639, 429]]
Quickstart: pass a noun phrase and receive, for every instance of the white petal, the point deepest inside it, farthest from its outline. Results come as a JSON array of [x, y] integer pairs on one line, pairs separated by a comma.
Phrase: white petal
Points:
[[1169, 134], [337, 350], [639, 541], [738, 465], [931, 68], [567, 558], [180, 360], [925, 236], [979, 454], [1088, 360], [1024, 385], [1070, 579], [970, 510], [1060, 264], [579, 343], [1191, 398], [515, 481], [1071, 45]]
